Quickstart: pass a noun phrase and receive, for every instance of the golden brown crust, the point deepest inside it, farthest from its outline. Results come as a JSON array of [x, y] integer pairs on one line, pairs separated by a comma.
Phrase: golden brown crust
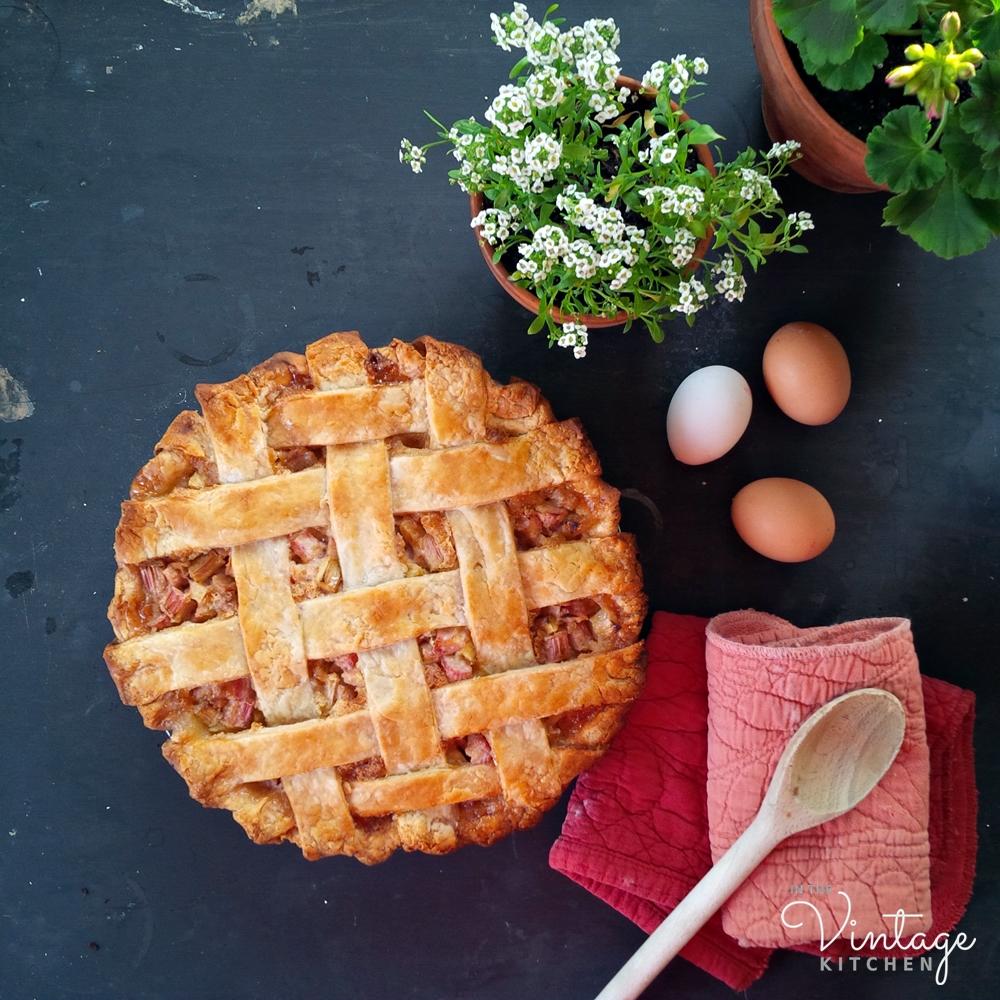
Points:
[[419, 706]]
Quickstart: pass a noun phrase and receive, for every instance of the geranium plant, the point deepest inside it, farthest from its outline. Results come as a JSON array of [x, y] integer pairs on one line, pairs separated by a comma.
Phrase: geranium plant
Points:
[[939, 155], [593, 191]]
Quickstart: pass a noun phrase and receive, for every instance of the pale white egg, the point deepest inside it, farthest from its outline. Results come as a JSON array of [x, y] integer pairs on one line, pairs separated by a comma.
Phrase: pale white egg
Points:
[[708, 414]]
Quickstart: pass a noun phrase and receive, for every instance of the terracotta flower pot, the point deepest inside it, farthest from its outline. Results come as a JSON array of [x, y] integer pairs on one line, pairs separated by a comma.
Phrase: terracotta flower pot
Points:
[[521, 294], [831, 156]]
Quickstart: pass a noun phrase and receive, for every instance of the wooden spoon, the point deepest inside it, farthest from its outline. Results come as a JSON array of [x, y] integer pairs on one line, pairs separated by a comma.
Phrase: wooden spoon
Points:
[[836, 757]]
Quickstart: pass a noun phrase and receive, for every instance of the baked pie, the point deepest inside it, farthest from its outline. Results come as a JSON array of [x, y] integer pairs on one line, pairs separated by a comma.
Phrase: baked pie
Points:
[[376, 600]]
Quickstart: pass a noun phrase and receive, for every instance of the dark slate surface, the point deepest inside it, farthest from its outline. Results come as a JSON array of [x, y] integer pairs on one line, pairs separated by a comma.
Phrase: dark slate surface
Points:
[[168, 184]]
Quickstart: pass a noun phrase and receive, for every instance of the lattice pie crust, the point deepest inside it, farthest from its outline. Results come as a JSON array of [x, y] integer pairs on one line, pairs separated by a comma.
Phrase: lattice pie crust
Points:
[[376, 599]]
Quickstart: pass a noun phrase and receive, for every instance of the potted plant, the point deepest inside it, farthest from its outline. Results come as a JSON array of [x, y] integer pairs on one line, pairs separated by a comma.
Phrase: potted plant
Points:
[[892, 95], [595, 197]]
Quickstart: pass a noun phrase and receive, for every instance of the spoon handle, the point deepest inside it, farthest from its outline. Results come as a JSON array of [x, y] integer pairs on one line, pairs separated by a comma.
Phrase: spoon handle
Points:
[[694, 910]]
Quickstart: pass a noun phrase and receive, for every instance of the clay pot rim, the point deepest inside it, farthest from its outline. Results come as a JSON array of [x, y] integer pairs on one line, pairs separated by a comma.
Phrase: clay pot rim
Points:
[[779, 46], [528, 299]]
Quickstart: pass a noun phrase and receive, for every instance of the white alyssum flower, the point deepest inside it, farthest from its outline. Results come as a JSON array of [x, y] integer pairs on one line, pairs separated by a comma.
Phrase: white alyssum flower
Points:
[[682, 246], [684, 200], [699, 65], [496, 224], [412, 155], [661, 149], [510, 110], [542, 43], [508, 29], [548, 244], [652, 79], [801, 221], [581, 258], [545, 87], [728, 280], [782, 149], [756, 186], [692, 295], [530, 167], [621, 279], [680, 75], [574, 335]]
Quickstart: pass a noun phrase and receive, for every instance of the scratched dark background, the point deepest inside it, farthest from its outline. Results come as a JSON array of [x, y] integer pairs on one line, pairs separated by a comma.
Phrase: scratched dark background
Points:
[[181, 197]]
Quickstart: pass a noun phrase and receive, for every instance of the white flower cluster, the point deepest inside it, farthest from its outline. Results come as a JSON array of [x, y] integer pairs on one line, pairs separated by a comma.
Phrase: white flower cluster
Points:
[[756, 186], [574, 335], [684, 200], [802, 222], [692, 296], [661, 149], [545, 87], [610, 255], [470, 151], [496, 224], [412, 155], [728, 281], [510, 110], [682, 245], [509, 29], [587, 51], [538, 257], [677, 73], [532, 165], [782, 149]]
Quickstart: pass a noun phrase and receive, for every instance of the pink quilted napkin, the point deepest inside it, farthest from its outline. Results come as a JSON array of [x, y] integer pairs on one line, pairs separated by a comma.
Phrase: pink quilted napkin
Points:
[[765, 676]]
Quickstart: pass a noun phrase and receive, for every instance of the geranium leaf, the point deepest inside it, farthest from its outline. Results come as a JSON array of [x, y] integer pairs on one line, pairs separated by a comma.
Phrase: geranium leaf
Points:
[[986, 33], [857, 71], [981, 113], [889, 15], [944, 219], [826, 31], [978, 172], [897, 156]]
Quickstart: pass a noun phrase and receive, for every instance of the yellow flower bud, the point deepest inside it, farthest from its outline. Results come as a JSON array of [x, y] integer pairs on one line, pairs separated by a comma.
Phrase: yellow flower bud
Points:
[[951, 25], [914, 52], [901, 75]]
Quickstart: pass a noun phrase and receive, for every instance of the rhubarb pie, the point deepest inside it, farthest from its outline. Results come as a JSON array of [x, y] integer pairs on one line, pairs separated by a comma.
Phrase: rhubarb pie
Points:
[[376, 600]]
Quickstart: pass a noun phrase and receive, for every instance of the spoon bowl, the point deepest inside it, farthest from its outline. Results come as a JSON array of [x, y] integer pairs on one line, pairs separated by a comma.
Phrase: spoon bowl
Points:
[[836, 757]]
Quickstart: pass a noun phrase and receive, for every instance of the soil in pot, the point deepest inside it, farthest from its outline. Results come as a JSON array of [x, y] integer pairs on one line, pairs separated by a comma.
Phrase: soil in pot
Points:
[[859, 111]]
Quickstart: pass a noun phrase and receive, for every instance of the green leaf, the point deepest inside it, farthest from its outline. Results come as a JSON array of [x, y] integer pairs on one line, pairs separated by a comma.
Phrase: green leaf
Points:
[[944, 219], [654, 328], [537, 323], [826, 31], [857, 71], [518, 67], [897, 156], [575, 152], [699, 133], [889, 15], [986, 33], [981, 113], [978, 172]]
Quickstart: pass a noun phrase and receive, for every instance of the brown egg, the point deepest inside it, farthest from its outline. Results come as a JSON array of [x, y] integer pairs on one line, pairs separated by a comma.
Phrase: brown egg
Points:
[[807, 373], [783, 519]]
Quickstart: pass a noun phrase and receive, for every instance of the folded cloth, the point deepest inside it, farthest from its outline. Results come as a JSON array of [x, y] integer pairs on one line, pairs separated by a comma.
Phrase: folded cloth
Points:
[[765, 677], [636, 830]]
